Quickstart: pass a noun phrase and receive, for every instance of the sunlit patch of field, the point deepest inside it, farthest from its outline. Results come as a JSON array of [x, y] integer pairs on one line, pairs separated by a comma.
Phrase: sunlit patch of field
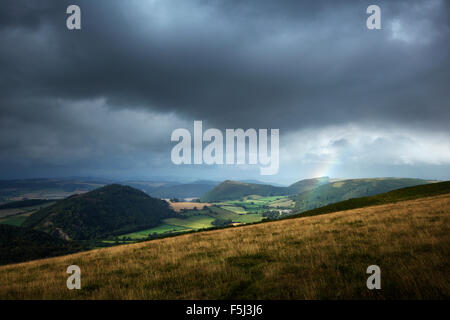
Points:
[[178, 206], [235, 209], [319, 257], [161, 229], [338, 184], [256, 204], [192, 222]]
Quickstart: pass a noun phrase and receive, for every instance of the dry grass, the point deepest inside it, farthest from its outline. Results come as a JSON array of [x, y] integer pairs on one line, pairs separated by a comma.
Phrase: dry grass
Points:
[[178, 206], [320, 257]]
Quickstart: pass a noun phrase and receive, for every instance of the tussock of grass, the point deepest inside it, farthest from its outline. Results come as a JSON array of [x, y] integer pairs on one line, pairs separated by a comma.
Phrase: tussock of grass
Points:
[[319, 257]]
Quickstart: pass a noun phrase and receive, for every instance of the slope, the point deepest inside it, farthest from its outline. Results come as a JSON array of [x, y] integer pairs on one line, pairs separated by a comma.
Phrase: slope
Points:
[[232, 190], [320, 257], [19, 244], [347, 189]]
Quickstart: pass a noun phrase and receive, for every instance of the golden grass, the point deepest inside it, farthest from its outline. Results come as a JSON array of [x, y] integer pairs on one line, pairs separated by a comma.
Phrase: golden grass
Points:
[[178, 206], [320, 257]]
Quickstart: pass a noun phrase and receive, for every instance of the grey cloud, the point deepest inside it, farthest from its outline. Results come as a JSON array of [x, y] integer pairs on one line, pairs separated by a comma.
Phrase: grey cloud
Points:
[[274, 64]]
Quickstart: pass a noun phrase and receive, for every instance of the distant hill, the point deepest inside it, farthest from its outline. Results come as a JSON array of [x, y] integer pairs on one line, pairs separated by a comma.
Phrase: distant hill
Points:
[[186, 190], [308, 184], [44, 188], [109, 210], [347, 189], [23, 203], [230, 190], [19, 244], [403, 194]]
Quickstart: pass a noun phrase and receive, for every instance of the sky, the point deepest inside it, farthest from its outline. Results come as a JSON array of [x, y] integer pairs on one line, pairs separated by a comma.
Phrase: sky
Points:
[[102, 101]]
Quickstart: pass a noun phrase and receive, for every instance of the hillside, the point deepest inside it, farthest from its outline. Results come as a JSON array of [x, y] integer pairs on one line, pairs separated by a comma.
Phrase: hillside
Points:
[[347, 189], [408, 193], [109, 210], [20, 244], [232, 190], [320, 257], [308, 184]]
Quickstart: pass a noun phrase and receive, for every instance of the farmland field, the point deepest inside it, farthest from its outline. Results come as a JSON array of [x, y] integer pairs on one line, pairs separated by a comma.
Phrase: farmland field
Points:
[[197, 216], [193, 222], [256, 204], [16, 216]]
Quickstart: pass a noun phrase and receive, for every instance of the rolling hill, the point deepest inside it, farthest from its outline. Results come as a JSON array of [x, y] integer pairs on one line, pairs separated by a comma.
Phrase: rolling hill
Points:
[[231, 190], [11, 190], [347, 189], [408, 193], [106, 211], [320, 257]]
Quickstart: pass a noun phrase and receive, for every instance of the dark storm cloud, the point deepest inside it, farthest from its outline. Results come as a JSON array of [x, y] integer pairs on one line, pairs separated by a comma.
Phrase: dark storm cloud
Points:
[[276, 64], [236, 63]]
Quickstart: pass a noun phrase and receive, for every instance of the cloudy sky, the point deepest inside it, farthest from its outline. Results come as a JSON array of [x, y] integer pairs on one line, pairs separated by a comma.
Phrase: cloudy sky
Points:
[[103, 101]]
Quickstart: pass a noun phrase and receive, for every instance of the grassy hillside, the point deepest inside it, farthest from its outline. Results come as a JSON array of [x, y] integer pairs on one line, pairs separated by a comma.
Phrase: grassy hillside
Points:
[[308, 184], [21, 244], [109, 210], [408, 193], [347, 189], [230, 190], [233, 190], [320, 257]]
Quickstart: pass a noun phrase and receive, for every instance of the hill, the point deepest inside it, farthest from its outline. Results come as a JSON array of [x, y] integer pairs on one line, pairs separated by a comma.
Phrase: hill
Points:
[[232, 190], [320, 257], [20, 244], [23, 203], [308, 184], [184, 190], [11, 190], [347, 189], [109, 210], [408, 193]]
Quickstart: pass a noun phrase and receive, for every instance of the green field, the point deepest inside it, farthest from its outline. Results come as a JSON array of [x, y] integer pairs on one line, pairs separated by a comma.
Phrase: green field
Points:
[[192, 222], [249, 218], [235, 209], [161, 229], [256, 204]]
